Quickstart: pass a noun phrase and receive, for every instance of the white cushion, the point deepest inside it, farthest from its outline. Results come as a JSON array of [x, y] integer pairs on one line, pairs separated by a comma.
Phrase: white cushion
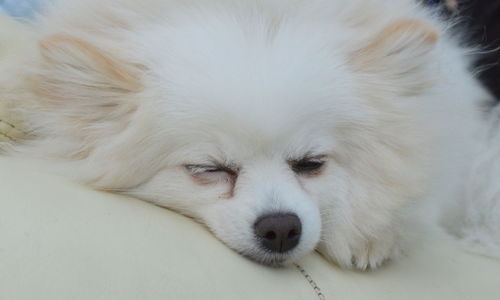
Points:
[[60, 240]]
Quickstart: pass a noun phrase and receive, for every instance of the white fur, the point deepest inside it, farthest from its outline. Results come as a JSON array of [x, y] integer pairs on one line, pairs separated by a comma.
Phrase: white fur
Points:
[[474, 216], [252, 84]]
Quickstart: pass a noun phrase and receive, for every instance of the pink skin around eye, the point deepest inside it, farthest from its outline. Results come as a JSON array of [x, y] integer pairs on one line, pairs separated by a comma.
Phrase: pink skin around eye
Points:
[[213, 176]]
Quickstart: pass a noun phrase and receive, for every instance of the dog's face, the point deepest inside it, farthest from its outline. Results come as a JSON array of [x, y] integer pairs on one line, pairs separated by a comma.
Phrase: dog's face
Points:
[[248, 140], [274, 139]]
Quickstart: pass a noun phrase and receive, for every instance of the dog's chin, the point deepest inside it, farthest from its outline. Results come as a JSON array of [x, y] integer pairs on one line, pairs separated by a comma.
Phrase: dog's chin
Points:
[[272, 260], [275, 260]]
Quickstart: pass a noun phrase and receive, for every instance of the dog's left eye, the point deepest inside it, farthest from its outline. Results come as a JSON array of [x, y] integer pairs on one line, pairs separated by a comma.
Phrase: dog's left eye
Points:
[[307, 166]]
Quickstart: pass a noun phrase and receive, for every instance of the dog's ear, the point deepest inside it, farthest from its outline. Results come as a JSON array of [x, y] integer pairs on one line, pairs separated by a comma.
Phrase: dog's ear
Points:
[[86, 99], [83, 80], [399, 57]]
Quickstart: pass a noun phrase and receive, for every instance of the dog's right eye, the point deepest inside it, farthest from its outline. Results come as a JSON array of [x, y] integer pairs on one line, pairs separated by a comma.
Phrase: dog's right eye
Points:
[[198, 169], [211, 173]]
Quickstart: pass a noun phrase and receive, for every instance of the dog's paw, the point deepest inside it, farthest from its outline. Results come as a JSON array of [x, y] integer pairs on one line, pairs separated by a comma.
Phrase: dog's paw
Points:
[[360, 253]]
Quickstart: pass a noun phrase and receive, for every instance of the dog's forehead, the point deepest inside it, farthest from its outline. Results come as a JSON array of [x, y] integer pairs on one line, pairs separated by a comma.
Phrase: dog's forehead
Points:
[[254, 83], [254, 110], [225, 77]]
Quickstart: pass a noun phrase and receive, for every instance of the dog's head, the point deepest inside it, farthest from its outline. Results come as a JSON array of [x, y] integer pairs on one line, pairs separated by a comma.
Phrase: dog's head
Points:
[[271, 134]]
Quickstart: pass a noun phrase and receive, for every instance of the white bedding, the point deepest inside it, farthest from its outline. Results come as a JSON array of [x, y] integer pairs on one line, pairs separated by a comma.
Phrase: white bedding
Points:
[[60, 240]]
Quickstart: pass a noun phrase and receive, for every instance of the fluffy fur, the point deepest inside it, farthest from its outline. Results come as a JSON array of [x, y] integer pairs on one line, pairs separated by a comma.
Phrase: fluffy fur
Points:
[[474, 215], [203, 106]]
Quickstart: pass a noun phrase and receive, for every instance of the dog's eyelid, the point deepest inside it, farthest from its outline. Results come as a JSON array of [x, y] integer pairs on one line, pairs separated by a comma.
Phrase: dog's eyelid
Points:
[[308, 165], [199, 169], [195, 169], [309, 157]]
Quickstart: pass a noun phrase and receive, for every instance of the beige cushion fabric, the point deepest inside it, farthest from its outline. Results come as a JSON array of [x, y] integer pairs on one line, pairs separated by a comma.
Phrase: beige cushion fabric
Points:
[[59, 240]]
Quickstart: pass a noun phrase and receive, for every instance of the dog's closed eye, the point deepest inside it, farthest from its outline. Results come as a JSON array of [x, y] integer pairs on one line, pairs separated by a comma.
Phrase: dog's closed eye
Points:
[[307, 166], [209, 174]]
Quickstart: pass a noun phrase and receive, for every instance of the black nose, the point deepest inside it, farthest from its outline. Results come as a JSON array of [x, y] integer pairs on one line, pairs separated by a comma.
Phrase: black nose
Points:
[[278, 232]]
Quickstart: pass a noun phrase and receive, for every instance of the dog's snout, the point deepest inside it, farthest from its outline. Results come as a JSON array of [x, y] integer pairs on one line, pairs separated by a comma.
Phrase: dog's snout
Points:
[[278, 232]]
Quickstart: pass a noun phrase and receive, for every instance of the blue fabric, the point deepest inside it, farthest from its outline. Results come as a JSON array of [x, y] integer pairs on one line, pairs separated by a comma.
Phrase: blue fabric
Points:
[[19, 8]]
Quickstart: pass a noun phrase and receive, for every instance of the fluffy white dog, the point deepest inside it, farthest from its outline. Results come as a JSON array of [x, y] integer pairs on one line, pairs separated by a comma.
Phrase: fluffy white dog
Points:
[[284, 126]]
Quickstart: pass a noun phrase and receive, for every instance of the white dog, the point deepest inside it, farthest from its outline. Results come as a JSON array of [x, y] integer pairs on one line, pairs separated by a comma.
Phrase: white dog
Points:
[[284, 126]]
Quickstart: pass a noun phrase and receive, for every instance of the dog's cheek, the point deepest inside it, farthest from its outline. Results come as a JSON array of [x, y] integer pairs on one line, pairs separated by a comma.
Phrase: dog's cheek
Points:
[[174, 189], [361, 223], [232, 222]]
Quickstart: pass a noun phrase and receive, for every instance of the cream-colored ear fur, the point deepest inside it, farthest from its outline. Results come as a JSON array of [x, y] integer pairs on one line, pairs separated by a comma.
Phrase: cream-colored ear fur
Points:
[[84, 81], [81, 106], [81, 99], [398, 58]]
